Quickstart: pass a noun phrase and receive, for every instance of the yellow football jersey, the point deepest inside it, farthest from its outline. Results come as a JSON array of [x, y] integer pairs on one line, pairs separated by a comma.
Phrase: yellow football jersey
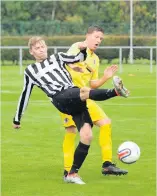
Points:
[[90, 67]]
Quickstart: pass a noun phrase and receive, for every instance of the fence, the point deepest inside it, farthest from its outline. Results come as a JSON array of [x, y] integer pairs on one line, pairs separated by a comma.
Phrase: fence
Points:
[[151, 48]]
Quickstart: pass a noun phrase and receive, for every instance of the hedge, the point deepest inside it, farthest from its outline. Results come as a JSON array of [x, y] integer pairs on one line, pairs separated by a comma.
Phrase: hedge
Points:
[[12, 54]]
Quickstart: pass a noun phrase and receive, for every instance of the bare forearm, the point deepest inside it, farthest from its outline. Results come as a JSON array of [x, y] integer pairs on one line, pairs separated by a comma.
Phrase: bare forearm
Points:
[[108, 73], [98, 83]]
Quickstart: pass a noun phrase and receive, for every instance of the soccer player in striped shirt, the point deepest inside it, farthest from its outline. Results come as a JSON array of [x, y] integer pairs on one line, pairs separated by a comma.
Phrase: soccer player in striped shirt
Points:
[[51, 76]]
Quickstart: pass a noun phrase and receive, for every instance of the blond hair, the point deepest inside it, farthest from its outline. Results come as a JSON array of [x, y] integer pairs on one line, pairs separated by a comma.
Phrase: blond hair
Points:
[[33, 40]]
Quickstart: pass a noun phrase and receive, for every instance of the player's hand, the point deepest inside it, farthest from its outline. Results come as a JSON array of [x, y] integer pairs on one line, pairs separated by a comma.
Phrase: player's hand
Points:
[[110, 71], [82, 45], [16, 126], [76, 68]]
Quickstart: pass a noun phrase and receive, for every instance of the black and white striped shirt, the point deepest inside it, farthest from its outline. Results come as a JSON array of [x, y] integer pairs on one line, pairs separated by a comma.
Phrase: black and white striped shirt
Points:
[[50, 75]]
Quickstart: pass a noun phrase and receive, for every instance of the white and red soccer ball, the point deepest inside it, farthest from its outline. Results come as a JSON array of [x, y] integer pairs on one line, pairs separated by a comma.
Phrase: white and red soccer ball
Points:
[[128, 152]]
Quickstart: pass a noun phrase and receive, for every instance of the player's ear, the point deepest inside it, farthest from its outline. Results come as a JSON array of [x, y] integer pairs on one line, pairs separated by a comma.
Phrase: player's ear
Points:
[[30, 51], [46, 46]]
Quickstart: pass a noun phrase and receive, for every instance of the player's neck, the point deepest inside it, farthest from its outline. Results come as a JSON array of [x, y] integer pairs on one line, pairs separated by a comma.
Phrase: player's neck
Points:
[[91, 51], [39, 60]]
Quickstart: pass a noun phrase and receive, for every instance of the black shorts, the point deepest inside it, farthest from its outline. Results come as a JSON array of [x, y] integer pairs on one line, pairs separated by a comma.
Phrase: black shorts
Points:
[[68, 101]]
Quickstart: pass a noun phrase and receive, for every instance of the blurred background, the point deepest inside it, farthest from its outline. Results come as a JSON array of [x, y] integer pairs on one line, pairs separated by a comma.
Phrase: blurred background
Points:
[[130, 28]]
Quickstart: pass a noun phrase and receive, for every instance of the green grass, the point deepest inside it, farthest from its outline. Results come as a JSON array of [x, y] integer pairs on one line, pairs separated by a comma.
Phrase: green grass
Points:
[[32, 158]]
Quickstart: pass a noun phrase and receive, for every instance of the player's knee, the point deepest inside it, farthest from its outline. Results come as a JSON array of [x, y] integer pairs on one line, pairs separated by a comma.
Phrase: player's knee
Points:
[[84, 93], [71, 129], [86, 135], [105, 121], [86, 138]]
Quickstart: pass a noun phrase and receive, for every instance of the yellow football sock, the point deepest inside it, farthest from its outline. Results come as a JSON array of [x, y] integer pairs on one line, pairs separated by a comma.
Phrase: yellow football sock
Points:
[[68, 149], [106, 142]]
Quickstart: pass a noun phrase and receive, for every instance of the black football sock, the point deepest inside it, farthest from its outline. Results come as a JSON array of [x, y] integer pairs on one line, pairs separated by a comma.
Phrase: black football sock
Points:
[[106, 164], [79, 157], [102, 94]]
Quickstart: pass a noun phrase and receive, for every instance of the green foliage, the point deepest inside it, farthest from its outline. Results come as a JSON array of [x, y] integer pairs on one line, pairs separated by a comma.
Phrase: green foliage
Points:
[[108, 54], [74, 17], [109, 40]]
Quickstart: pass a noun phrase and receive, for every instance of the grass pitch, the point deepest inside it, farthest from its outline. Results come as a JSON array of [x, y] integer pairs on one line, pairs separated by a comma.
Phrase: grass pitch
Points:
[[32, 159]]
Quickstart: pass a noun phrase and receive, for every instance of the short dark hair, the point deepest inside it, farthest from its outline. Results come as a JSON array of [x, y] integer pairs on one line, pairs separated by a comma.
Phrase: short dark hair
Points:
[[93, 28]]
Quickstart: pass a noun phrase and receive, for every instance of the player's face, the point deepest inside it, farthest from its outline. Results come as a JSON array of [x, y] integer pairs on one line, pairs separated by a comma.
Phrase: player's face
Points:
[[94, 39], [39, 51]]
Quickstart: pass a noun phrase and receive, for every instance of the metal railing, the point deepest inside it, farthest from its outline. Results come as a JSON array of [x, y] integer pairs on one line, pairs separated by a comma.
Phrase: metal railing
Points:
[[151, 48]]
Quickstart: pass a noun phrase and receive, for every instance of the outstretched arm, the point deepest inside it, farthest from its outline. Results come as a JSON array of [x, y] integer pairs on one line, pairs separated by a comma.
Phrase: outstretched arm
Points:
[[81, 56], [108, 73], [23, 101]]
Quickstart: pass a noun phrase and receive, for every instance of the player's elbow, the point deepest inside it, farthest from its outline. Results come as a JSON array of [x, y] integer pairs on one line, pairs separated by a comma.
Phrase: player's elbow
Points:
[[93, 86]]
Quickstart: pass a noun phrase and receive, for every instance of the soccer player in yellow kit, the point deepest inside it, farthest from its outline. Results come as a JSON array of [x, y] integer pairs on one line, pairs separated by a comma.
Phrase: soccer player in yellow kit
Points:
[[88, 75]]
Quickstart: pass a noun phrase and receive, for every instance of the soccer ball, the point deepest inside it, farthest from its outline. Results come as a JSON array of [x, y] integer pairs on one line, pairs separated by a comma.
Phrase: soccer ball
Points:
[[128, 152]]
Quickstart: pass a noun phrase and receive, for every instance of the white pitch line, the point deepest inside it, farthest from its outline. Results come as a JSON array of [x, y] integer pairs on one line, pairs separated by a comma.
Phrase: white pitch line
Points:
[[129, 104], [141, 97], [9, 92]]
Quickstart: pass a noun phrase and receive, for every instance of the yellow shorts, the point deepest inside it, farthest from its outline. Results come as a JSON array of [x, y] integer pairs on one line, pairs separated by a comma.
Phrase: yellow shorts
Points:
[[95, 112]]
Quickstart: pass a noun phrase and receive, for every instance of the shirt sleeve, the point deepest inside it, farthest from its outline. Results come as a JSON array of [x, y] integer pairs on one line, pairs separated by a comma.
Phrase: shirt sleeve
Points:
[[24, 98], [94, 76], [74, 50], [68, 58]]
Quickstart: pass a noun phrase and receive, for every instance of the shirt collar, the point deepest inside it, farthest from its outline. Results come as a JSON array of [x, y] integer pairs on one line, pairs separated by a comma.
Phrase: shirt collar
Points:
[[90, 52]]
